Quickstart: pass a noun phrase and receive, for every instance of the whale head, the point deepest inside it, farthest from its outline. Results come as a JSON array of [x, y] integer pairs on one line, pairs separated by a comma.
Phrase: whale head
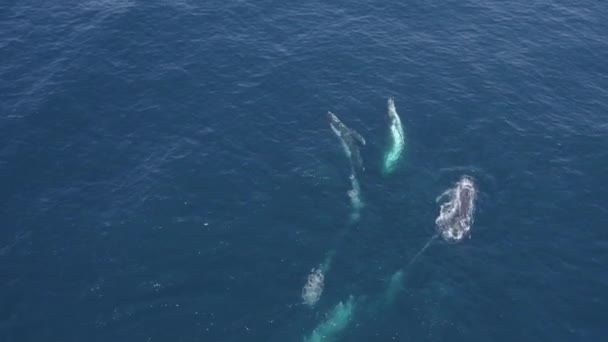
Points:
[[333, 119]]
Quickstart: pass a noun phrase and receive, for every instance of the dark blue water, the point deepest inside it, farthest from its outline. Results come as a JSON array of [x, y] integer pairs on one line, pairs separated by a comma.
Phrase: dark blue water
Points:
[[168, 174]]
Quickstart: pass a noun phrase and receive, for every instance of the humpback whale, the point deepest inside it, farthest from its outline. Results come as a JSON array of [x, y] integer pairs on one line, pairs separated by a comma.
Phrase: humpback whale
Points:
[[397, 137], [456, 216], [349, 139], [313, 289], [337, 320]]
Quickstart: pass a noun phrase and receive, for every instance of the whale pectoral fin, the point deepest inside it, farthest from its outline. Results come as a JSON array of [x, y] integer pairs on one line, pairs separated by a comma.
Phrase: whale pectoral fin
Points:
[[359, 137]]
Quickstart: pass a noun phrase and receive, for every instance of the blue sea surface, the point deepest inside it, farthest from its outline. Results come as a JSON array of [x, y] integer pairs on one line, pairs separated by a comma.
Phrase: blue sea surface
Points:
[[168, 172]]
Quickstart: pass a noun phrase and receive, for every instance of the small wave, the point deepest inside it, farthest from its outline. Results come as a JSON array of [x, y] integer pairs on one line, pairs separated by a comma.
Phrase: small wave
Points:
[[456, 215]]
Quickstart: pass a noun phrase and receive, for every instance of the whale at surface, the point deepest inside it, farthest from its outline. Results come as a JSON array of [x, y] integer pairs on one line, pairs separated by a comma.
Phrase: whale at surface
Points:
[[396, 146], [350, 140]]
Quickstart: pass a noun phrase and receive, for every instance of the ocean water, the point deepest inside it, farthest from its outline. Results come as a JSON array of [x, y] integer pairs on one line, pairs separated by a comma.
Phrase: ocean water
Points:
[[168, 173]]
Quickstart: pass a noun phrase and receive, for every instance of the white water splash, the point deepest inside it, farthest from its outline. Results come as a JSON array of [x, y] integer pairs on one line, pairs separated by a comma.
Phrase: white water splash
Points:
[[456, 215], [311, 293]]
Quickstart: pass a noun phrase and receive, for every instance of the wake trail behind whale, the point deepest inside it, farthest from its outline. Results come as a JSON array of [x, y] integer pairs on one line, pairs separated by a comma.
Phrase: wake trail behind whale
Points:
[[426, 246]]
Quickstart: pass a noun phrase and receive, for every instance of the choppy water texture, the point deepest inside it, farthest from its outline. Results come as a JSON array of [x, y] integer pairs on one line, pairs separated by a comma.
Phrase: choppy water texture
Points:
[[168, 173]]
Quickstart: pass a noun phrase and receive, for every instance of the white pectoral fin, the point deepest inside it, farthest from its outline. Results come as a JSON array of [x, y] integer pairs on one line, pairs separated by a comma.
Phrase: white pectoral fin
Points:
[[359, 137]]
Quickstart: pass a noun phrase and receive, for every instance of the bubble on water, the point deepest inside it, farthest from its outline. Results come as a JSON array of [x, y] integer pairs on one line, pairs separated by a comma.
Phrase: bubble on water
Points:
[[314, 287], [456, 214]]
